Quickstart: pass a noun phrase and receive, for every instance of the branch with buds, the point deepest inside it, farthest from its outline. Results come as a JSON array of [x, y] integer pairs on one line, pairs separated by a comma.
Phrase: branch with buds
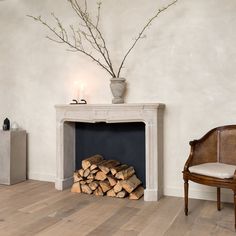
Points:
[[87, 38]]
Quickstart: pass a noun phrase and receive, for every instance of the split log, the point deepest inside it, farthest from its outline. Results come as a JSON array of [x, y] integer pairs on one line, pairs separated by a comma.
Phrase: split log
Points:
[[94, 166], [93, 185], [112, 180], [77, 177], [98, 191], [94, 171], [86, 173], [105, 185], [116, 169], [111, 193], [118, 187], [106, 166], [100, 176], [130, 184], [82, 182], [91, 176], [76, 188], [122, 194], [88, 181], [126, 173], [86, 163], [137, 193], [81, 172], [86, 189]]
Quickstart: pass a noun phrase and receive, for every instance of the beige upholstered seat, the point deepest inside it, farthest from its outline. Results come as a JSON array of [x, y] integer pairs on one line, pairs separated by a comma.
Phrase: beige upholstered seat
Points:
[[215, 169]]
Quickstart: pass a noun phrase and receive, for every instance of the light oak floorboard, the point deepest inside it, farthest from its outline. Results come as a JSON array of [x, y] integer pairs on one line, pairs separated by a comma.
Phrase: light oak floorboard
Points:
[[35, 208]]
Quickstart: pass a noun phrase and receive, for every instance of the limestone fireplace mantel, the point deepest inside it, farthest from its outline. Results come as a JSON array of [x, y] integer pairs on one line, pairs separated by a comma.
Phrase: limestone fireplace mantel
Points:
[[150, 114]]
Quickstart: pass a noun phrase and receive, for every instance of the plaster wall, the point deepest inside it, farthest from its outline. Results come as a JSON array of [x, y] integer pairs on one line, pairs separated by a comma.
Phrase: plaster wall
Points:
[[187, 61]]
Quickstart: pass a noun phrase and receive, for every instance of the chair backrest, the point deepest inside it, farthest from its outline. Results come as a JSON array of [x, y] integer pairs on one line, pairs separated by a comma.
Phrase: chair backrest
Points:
[[218, 145], [205, 150], [227, 145]]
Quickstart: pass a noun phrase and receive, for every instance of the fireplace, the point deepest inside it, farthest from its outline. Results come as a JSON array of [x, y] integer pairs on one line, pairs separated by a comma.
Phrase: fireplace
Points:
[[150, 116]]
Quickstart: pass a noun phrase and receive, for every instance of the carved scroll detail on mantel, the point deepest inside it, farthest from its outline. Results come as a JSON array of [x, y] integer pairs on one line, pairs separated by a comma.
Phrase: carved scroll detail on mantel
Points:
[[150, 114]]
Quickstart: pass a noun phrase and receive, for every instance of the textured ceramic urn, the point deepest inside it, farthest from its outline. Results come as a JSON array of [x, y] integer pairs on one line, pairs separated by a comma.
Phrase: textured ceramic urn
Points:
[[118, 87]]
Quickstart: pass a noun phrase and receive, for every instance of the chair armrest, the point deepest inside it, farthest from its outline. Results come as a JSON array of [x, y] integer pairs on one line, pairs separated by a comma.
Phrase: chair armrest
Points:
[[193, 142], [190, 158], [234, 177]]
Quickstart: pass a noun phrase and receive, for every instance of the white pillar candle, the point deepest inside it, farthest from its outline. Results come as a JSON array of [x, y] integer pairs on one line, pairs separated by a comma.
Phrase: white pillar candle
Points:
[[75, 90], [81, 91]]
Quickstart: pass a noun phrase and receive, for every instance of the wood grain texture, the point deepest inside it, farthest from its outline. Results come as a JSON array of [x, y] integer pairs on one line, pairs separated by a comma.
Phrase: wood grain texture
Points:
[[130, 184], [126, 173], [106, 166], [86, 163], [137, 193], [34, 208], [100, 176]]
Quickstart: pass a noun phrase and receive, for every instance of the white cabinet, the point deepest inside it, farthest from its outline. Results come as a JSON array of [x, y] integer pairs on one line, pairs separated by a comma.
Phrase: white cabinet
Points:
[[12, 156]]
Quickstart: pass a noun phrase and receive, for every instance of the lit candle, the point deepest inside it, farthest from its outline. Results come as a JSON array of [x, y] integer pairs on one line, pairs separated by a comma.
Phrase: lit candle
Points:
[[76, 90], [81, 91]]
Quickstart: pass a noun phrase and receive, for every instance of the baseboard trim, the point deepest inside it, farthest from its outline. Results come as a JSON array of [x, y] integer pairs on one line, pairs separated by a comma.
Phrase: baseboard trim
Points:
[[209, 194], [61, 184], [41, 177]]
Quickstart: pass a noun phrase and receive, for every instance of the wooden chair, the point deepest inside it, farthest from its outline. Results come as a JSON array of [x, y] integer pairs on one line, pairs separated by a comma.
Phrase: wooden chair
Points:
[[212, 161]]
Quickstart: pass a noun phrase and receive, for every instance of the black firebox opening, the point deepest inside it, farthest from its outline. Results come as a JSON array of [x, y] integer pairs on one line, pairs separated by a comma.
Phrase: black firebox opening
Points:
[[124, 142]]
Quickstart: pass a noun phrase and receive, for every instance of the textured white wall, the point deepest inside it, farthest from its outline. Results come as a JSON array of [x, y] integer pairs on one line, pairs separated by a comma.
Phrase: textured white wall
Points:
[[187, 62]]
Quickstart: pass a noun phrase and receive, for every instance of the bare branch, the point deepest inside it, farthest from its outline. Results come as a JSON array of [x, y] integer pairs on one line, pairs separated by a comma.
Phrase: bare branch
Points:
[[141, 34], [88, 38], [63, 31], [63, 40], [98, 14], [91, 28], [54, 40]]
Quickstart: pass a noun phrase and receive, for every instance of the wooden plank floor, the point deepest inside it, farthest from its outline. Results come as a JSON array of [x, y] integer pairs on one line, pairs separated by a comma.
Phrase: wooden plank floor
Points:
[[36, 208]]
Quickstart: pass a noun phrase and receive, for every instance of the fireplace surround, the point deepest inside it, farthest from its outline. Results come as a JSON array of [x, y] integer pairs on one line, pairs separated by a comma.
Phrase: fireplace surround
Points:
[[150, 114]]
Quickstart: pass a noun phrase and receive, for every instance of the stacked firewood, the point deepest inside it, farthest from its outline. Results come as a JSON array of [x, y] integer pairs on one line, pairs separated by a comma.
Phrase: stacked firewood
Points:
[[107, 177]]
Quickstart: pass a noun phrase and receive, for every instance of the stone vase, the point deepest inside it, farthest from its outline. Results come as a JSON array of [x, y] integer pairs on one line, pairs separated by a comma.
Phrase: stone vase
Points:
[[118, 87]]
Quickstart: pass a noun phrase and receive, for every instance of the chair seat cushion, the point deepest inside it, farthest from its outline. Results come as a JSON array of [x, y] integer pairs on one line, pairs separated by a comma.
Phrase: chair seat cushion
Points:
[[216, 169]]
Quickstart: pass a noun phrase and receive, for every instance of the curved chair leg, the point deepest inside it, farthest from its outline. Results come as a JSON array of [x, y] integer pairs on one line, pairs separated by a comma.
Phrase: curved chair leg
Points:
[[235, 209], [186, 197], [218, 199]]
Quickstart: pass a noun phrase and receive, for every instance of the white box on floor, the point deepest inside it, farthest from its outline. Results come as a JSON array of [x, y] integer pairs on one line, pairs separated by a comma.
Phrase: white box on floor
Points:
[[12, 156]]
